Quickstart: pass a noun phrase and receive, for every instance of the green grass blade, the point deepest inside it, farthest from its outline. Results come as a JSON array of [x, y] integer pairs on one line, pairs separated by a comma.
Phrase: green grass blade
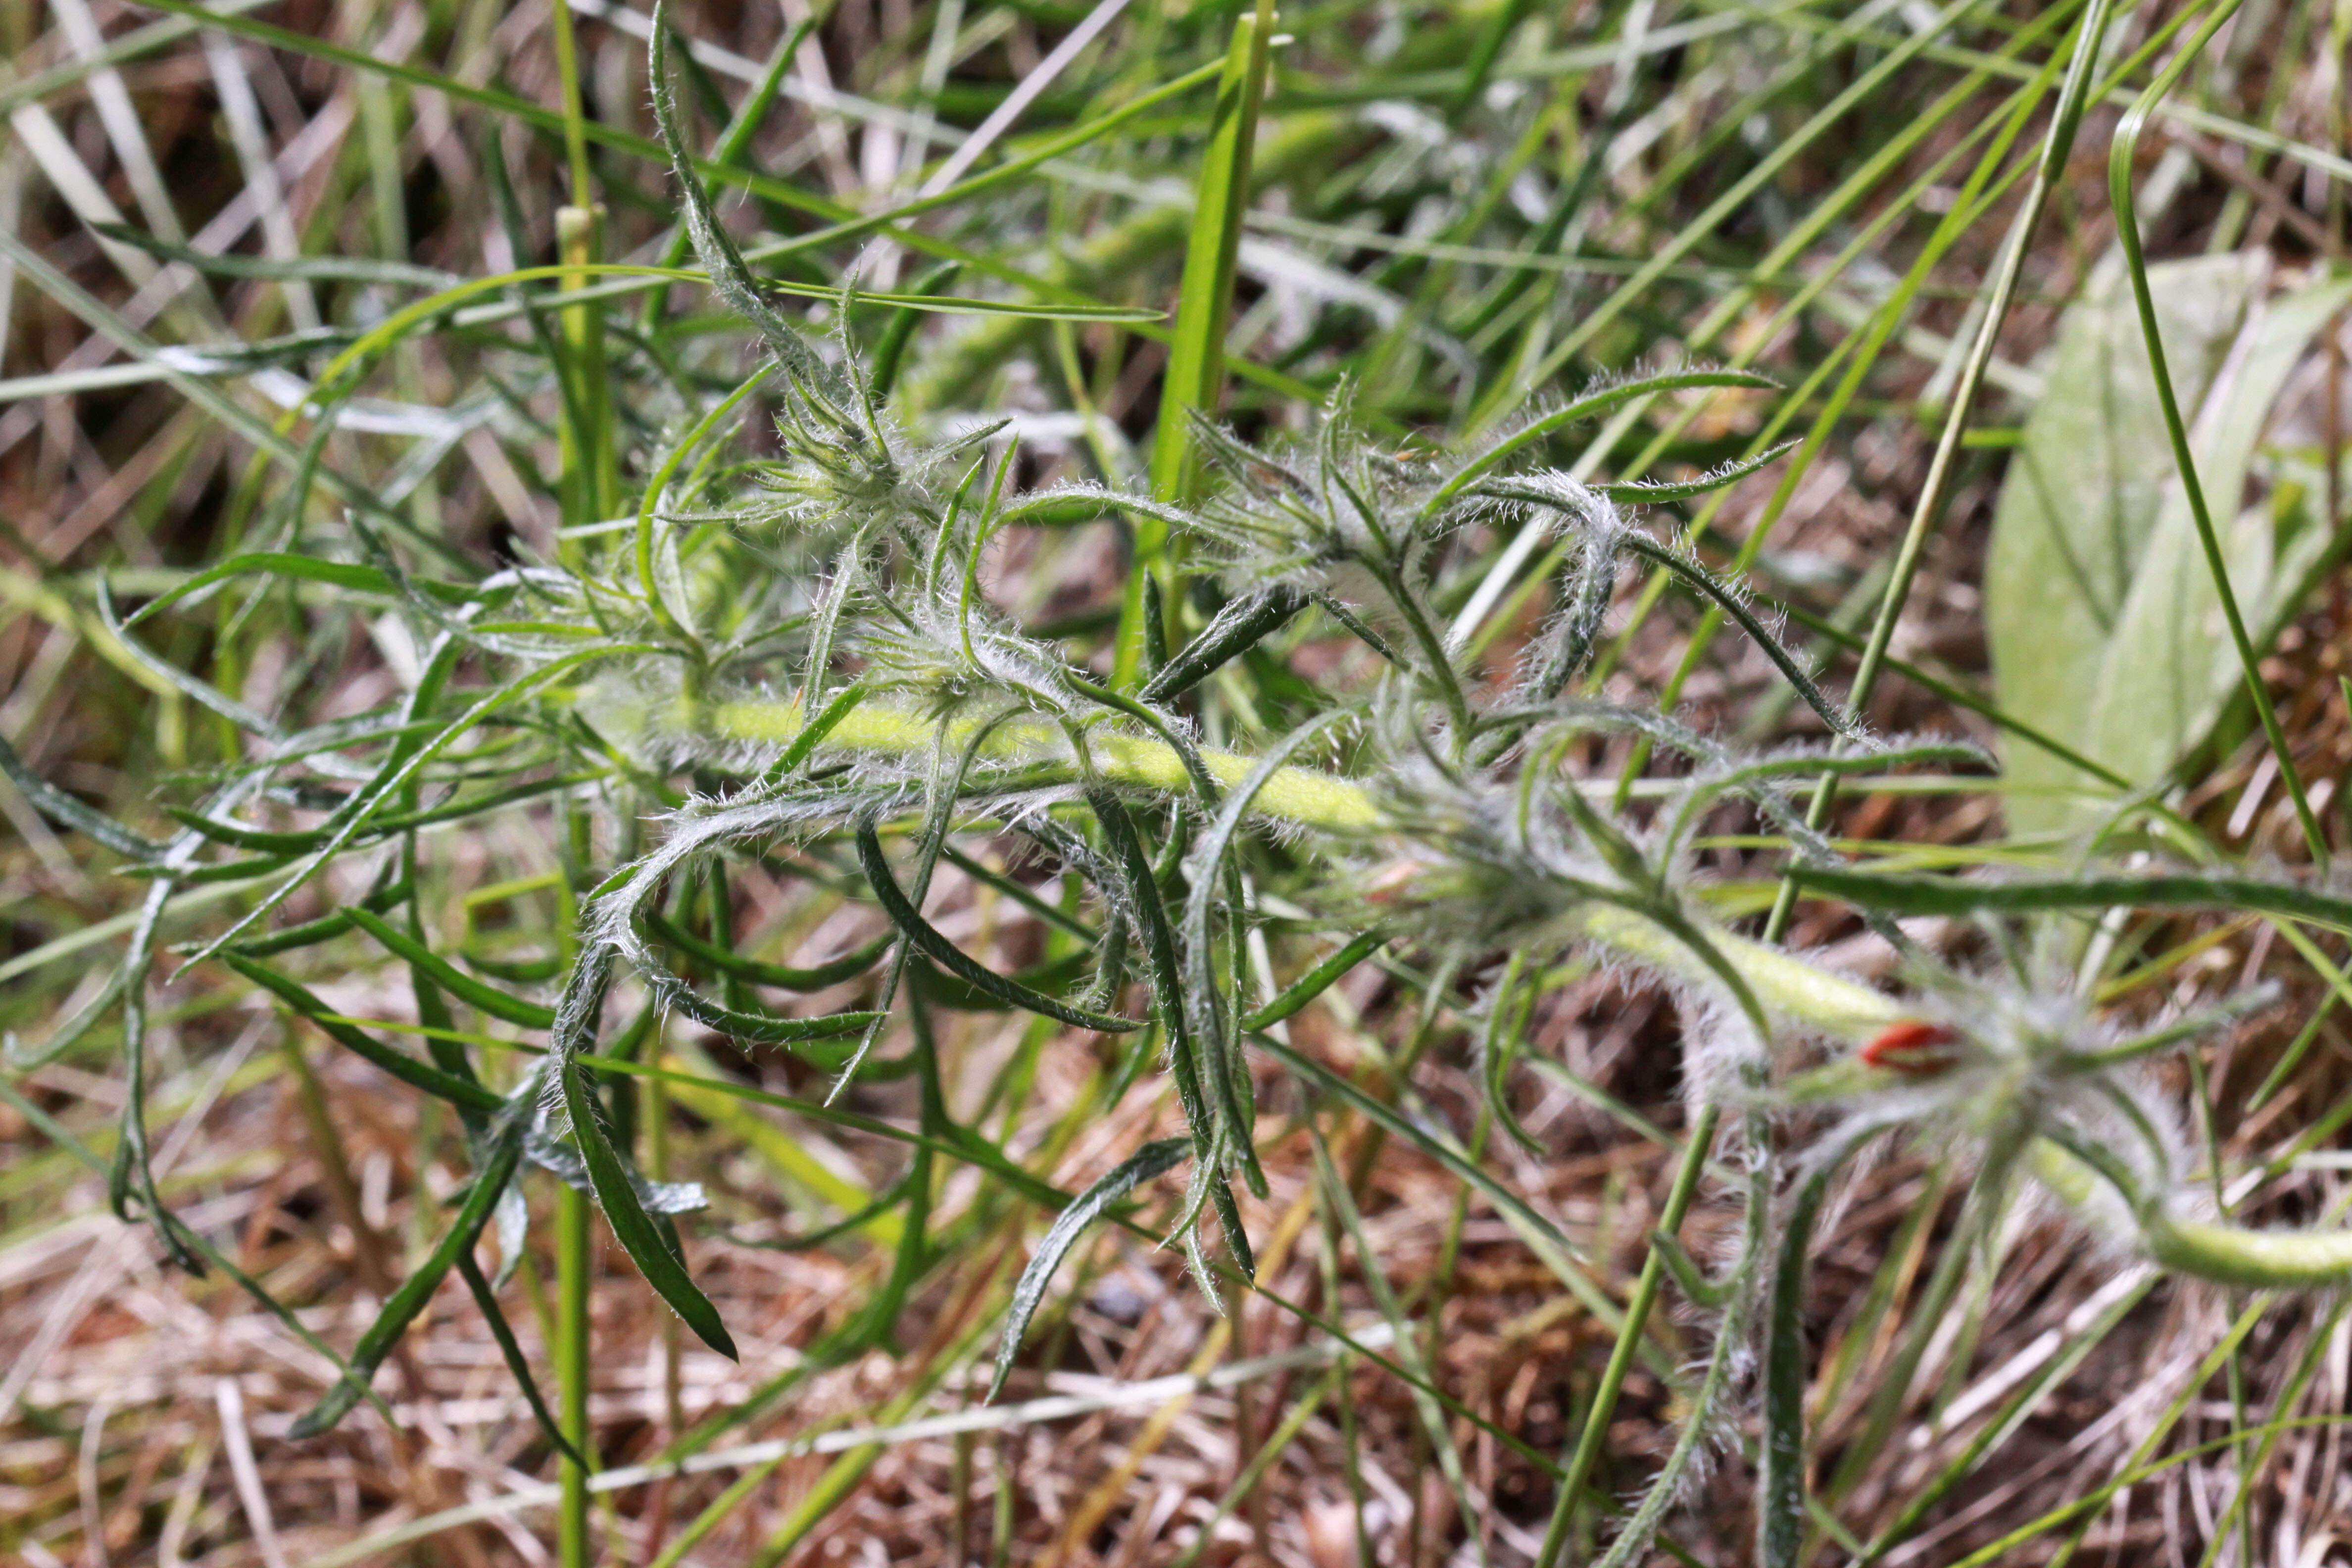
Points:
[[2119, 189], [1195, 372]]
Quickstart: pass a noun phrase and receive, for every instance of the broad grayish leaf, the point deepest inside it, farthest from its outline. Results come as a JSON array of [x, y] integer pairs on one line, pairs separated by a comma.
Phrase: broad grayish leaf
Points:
[[2105, 628]]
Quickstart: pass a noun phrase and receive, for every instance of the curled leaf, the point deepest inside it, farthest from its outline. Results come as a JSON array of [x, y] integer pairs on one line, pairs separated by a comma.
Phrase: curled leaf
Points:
[[1152, 1160]]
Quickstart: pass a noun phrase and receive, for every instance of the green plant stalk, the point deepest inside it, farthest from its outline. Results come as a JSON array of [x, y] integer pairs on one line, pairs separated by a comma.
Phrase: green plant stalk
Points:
[[574, 1282], [1196, 368], [589, 462], [1780, 1484], [2119, 190], [589, 492], [1787, 988], [2201, 1087], [591, 468], [1303, 796]]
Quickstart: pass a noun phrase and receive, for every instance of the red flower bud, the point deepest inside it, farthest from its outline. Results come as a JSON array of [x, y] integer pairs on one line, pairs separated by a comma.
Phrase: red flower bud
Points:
[[1913, 1046]]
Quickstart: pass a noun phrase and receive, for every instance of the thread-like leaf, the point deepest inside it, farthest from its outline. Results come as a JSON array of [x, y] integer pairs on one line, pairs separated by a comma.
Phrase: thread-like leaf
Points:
[[1316, 980], [957, 995], [956, 961], [816, 977], [67, 812], [1909, 895], [498, 1168], [729, 276], [1591, 405], [2122, 151], [1715, 478], [608, 1175], [238, 836], [202, 691], [67, 1031], [1585, 599], [1150, 1161], [1400, 1126], [763, 1026], [442, 1084], [407, 759], [1712, 587], [517, 1365], [450, 978], [350, 577], [1498, 1050], [311, 269]]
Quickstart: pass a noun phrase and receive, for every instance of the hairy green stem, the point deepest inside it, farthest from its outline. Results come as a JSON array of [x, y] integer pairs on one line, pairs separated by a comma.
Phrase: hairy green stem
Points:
[[1304, 796], [1790, 990], [590, 485]]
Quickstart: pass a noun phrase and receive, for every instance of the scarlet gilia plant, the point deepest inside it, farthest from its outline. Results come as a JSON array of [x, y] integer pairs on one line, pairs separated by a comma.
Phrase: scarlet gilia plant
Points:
[[803, 651]]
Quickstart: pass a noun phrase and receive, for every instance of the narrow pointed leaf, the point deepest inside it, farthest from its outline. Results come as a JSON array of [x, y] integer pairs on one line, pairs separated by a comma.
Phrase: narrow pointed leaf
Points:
[[632, 1226], [517, 1365], [610, 1177], [450, 978], [1150, 1161], [816, 977], [956, 961], [1316, 980], [1908, 895], [407, 1068], [67, 812], [417, 1289]]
